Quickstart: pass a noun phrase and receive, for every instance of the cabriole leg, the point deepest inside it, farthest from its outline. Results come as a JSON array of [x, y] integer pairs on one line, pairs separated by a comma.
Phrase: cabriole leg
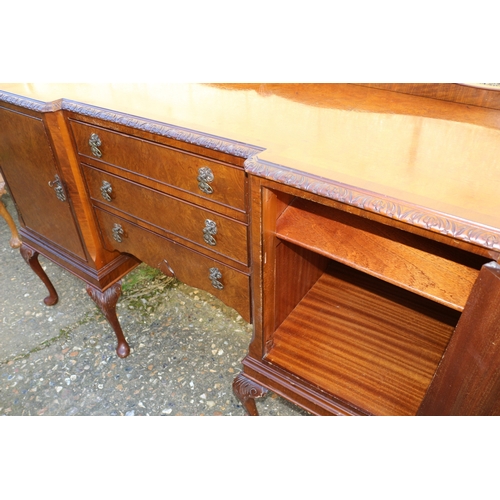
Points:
[[31, 257], [106, 301], [15, 241], [246, 391]]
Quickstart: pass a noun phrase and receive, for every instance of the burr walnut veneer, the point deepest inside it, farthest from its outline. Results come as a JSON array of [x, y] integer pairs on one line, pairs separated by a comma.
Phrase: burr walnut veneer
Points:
[[356, 226]]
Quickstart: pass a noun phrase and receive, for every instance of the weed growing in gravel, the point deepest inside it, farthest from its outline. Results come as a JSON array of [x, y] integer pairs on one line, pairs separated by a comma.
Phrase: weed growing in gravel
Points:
[[143, 288]]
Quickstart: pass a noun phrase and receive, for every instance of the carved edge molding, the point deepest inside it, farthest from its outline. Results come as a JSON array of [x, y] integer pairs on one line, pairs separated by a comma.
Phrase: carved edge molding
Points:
[[417, 216], [31, 104], [246, 389], [166, 130], [233, 148]]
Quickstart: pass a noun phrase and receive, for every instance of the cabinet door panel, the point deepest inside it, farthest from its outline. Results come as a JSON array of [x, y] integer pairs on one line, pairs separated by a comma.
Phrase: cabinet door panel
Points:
[[28, 163]]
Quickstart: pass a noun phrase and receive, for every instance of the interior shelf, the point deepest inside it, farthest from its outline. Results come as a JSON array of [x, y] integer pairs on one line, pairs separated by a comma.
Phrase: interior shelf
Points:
[[364, 341], [431, 269]]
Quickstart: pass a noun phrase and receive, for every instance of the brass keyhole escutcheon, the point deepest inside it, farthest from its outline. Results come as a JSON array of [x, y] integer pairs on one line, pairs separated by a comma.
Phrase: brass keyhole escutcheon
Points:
[[56, 184]]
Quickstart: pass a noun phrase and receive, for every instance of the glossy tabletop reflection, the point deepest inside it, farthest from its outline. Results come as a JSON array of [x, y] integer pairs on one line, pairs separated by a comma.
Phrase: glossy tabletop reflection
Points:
[[439, 155]]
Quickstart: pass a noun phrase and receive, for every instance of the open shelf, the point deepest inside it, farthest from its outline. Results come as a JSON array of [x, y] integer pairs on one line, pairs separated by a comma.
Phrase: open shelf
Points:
[[431, 269], [364, 341]]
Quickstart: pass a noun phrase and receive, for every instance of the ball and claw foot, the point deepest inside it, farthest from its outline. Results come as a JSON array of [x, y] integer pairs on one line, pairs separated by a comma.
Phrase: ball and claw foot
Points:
[[246, 391], [106, 301]]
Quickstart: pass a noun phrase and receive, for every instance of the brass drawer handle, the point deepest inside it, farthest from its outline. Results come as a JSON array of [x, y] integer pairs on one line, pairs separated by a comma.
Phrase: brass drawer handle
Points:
[[117, 233], [94, 143], [209, 231], [57, 185], [205, 177], [215, 275], [106, 190]]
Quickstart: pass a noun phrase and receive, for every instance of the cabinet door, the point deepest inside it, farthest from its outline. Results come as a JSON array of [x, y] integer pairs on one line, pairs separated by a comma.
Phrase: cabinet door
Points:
[[29, 166]]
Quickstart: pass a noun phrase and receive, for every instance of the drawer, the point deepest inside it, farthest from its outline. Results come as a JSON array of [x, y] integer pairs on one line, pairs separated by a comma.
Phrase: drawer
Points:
[[208, 229], [227, 284], [208, 179]]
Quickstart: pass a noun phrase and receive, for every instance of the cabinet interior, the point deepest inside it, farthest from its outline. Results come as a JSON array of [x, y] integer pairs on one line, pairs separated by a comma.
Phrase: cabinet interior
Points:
[[367, 327]]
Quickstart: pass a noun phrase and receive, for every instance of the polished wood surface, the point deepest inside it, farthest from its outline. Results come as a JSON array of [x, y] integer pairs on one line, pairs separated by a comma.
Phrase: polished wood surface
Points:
[[42, 211], [374, 347], [38, 161], [401, 146], [482, 95], [31, 257], [297, 270], [429, 269], [97, 259], [169, 182], [106, 300], [173, 259], [353, 316], [356, 226], [467, 381], [171, 215], [149, 160]]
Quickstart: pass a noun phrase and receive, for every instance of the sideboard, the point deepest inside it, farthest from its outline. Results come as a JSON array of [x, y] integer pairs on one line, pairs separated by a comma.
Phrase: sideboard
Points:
[[355, 225]]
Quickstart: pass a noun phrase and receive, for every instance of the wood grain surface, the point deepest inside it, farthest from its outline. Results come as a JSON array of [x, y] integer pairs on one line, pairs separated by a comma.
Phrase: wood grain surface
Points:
[[173, 259], [170, 214], [165, 165], [420, 150], [26, 153], [364, 341], [435, 271]]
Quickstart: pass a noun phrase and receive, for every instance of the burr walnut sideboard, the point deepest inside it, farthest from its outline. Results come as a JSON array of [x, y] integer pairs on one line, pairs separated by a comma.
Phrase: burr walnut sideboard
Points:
[[356, 226], [99, 191]]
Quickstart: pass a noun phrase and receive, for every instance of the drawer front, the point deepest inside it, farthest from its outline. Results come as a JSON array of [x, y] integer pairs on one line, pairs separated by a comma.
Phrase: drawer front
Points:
[[192, 268], [205, 228], [208, 179]]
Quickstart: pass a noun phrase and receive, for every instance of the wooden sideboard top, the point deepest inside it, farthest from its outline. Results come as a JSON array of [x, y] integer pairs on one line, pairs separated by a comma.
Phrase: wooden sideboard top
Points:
[[423, 160]]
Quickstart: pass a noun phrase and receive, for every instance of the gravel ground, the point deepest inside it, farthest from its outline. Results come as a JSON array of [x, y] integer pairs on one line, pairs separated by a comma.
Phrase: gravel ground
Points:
[[186, 347]]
